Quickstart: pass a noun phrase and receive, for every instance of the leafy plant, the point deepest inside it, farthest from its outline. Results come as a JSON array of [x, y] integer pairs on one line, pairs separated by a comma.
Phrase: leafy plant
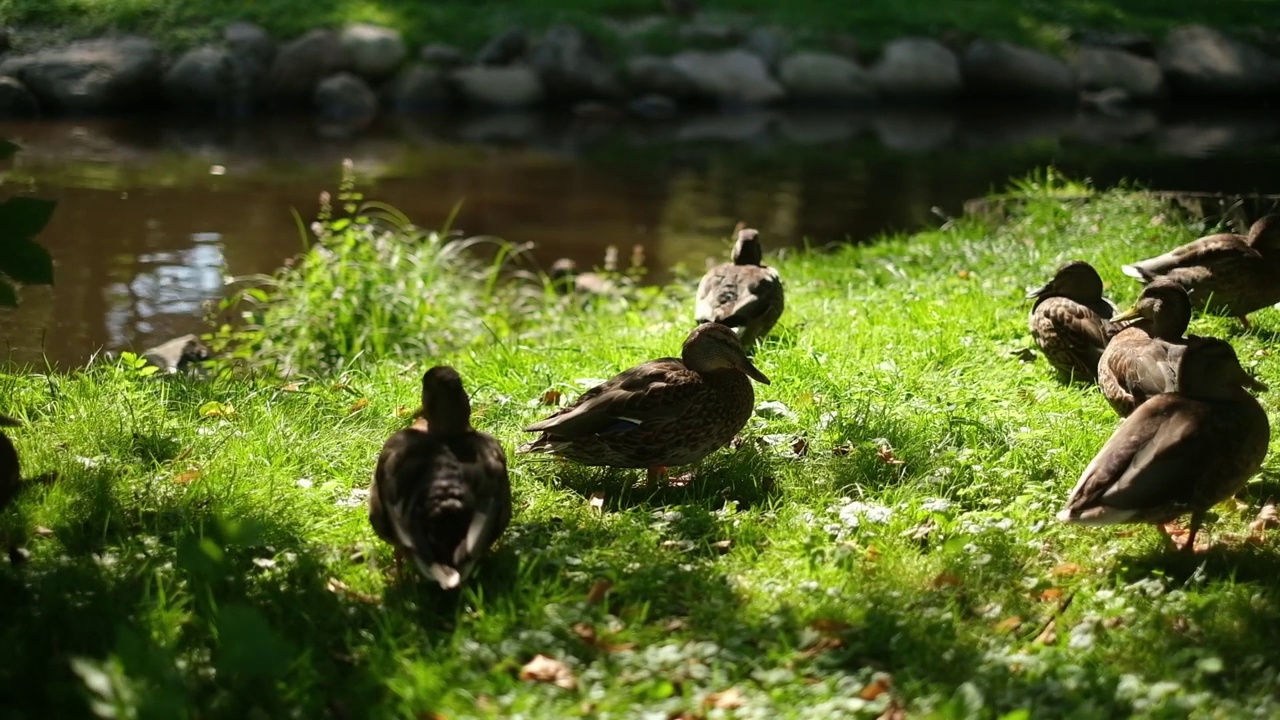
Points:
[[22, 260]]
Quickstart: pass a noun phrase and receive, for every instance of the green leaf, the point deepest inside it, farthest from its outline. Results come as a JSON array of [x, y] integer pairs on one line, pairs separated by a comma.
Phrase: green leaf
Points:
[[8, 294], [24, 259], [8, 149], [24, 217]]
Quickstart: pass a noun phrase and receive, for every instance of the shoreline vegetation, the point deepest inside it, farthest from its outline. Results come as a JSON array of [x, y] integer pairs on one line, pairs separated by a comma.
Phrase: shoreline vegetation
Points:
[[880, 543]]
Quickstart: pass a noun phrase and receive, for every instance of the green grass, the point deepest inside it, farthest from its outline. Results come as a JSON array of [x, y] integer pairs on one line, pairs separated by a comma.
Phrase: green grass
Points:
[[1040, 23], [181, 565]]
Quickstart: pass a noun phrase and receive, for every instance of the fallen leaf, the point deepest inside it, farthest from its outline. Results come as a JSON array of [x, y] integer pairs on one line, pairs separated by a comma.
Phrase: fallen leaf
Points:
[[341, 385], [964, 274], [402, 410], [1052, 593], [1049, 635], [724, 700], [945, 579], [358, 405], [337, 587], [885, 453], [800, 447], [921, 531], [548, 670], [1267, 518], [1009, 624], [879, 685], [674, 625], [213, 408], [597, 502], [587, 634], [841, 450], [186, 478], [871, 554], [291, 387], [722, 546], [551, 397], [823, 644], [895, 711], [598, 591], [1066, 568]]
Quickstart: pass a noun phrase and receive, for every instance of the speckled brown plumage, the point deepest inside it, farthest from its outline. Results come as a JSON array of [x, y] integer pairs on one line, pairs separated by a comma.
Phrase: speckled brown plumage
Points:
[[743, 294], [1070, 320], [664, 412], [440, 492], [1224, 273], [1141, 361], [1179, 452]]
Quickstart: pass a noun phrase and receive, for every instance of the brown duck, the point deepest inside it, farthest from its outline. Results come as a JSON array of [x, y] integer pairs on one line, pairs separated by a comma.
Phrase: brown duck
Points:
[[743, 294], [10, 470], [1179, 452], [1070, 320], [670, 411], [1224, 273], [440, 491]]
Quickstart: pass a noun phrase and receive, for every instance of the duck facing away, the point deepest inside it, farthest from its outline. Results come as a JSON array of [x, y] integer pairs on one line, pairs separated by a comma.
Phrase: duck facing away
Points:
[[743, 294], [10, 470], [1179, 452], [1070, 320], [440, 491], [670, 411], [1223, 273], [1141, 361]]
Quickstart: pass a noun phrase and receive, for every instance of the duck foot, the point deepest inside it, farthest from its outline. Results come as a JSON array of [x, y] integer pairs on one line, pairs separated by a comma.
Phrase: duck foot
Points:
[[1182, 539], [655, 475], [1245, 322]]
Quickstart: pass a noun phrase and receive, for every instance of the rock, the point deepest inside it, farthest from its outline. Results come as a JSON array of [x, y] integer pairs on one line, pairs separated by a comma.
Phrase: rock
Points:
[[658, 75], [825, 78], [302, 63], [375, 51], [917, 68], [1200, 61], [1132, 43], [1100, 68], [251, 41], [770, 43], [505, 87], [729, 76], [653, 107], [344, 97], [504, 49], [89, 75], [999, 69], [442, 55], [419, 88], [178, 353], [571, 66], [16, 102], [708, 36], [202, 79]]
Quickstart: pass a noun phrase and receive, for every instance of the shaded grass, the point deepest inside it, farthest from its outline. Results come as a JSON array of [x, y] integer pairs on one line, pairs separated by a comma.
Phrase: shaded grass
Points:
[[191, 539], [1039, 23]]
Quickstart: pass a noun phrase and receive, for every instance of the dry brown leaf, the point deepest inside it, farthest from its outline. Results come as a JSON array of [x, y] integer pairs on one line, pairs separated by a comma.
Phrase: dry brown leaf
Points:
[[1009, 624], [800, 447], [337, 587], [1052, 593], [722, 546], [841, 450], [1267, 518], [341, 385], [402, 410], [597, 501], [551, 397], [871, 554], [358, 405], [549, 670], [598, 591], [587, 634], [945, 579], [879, 685], [964, 274], [895, 711], [1066, 568], [291, 387], [885, 453], [823, 644], [186, 478], [724, 700], [1049, 635], [674, 625]]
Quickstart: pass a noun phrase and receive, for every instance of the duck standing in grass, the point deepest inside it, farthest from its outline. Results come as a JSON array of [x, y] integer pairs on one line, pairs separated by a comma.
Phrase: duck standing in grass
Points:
[[743, 294], [1070, 320], [1179, 452], [1223, 273], [440, 491], [10, 471], [670, 411]]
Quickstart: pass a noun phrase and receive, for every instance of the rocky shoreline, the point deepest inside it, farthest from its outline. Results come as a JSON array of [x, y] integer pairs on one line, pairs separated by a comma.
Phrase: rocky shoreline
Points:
[[348, 76]]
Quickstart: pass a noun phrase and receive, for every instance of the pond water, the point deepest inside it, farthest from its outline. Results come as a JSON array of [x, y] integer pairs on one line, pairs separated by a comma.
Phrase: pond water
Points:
[[153, 214]]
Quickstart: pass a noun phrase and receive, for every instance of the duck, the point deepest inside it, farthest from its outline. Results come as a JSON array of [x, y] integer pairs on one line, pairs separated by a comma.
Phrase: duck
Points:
[[662, 413], [1142, 359], [743, 294], [1179, 452], [440, 492], [10, 468], [1070, 320], [1225, 273]]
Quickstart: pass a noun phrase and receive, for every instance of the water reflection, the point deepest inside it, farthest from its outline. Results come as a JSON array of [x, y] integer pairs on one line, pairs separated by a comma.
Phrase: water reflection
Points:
[[151, 216]]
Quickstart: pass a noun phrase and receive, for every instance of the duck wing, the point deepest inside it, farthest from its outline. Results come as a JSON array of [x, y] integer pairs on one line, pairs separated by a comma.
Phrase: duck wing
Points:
[[718, 293], [659, 388], [484, 473], [760, 291], [1197, 259]]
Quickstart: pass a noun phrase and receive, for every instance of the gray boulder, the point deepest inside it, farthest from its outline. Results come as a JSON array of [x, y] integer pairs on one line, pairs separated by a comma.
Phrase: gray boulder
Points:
[[572, 66], [917, 68], [504, 49], [770, 43], [344, 97], [16, 102], [419, 88], [302, 63], [375, 51], [653, 107], [729, 76], [512, 86], [650, 74], [1201, 61], [251, 42], [825, 78], [1099, 68], [442, 55], [999, 69], [202, 79], [89, 75]]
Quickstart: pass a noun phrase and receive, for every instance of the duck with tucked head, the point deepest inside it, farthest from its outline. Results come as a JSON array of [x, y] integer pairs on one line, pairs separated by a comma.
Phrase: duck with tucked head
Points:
[[670, 411], [1070, 320], [744, 294], [440, 491], [1224, 273], [1180, 452]]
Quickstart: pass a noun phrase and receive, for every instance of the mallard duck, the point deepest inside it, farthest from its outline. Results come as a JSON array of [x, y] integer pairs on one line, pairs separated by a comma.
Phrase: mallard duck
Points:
[[1142, 359], [10, 470], [1070, 320], [743, 294], [1224, 273], [440, 491], [1179, 452], [665, 412]]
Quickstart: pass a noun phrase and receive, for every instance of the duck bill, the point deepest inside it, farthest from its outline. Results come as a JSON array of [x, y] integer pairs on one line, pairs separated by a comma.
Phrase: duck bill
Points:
[[752, 371], [1130, 314], [1038, 291], [1254, 383]]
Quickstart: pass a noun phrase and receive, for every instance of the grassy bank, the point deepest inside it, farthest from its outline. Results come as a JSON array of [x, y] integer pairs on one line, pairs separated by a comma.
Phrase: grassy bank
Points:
[[883, 537], [1042, 24]]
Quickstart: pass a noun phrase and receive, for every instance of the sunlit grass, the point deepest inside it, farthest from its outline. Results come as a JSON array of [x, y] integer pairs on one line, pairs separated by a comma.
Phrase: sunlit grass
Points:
[[887, 515]]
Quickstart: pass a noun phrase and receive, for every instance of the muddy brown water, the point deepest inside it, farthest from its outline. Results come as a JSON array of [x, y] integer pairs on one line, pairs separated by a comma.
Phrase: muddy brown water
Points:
[[152, 215]]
